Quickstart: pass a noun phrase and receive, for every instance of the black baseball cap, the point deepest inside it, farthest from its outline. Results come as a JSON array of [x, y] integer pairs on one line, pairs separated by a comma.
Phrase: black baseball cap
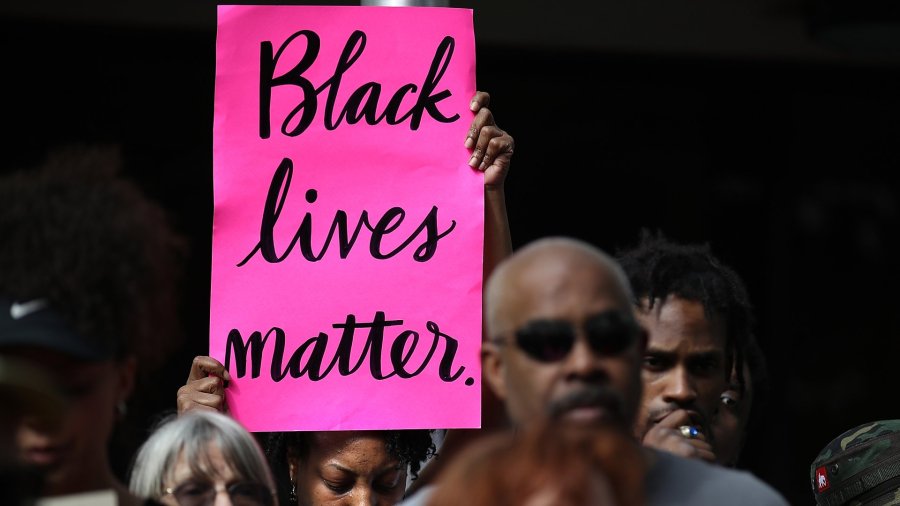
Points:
[[34, 323]]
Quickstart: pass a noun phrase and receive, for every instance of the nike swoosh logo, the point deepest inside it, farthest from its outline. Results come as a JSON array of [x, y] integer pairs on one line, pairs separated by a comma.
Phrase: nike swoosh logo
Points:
[[20, 310]]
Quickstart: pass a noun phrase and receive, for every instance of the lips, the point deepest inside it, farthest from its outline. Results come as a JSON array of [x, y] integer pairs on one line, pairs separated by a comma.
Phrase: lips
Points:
[[694, 416], [44, 456]]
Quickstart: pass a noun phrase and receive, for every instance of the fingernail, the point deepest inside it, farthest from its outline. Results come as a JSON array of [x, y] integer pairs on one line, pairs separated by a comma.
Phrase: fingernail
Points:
[[470, 143], [473, 162], [473, 106]]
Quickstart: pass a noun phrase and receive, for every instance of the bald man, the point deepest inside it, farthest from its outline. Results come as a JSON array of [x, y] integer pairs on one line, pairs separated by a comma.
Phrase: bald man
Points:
[[563, 342]]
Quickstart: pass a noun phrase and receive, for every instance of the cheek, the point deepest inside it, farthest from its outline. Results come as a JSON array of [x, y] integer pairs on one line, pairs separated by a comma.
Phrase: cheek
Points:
[[168, 500], [725, 432], [90, 423], [709, 393], [531, 382], [311, 490], [395, 495]]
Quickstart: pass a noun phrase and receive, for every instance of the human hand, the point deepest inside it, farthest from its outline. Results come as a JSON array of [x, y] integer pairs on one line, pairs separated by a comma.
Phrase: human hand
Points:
[[667, 435], [492, 147], [205, 387]]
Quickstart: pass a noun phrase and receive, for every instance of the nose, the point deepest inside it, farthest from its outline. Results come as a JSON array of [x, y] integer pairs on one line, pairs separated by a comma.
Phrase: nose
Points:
[[364, 496], [582, 363], [222, 497], [680, 388]]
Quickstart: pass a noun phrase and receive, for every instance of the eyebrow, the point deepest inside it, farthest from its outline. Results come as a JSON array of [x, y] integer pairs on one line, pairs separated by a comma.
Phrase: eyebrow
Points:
[[341, 468], [397, 467], [693, 357]]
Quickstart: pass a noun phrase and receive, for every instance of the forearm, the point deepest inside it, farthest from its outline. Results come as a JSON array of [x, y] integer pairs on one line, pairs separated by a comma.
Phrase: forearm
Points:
[[497, 237]]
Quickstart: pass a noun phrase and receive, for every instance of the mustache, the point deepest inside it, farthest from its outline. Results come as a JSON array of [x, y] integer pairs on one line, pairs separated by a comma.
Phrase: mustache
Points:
[[603, 397], [660, 412]]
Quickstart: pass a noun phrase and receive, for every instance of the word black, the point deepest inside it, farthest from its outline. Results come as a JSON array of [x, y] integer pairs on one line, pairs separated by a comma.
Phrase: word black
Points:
[[362, 104]]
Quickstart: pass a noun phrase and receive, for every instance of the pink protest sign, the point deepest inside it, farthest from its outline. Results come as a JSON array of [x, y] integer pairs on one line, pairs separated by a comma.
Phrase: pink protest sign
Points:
[[348, 227]]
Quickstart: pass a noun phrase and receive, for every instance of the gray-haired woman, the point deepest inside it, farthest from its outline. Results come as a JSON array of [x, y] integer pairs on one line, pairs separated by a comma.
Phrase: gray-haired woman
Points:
[[203, 458]]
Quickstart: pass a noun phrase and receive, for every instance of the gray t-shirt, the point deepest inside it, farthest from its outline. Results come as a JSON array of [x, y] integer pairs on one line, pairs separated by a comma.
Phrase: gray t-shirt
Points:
[[677, 481]]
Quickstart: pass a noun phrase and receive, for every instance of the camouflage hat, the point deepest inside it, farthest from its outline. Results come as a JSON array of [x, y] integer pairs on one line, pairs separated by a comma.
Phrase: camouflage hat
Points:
[[861, 467]]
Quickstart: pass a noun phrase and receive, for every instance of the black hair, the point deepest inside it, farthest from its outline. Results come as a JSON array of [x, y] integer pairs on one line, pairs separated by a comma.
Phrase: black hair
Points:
[[410, 447], [759, 381], [102, 254], [657, 268]]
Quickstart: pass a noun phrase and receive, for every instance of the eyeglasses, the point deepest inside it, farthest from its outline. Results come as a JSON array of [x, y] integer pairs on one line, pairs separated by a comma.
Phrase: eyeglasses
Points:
[[608, 333], [198, 493]]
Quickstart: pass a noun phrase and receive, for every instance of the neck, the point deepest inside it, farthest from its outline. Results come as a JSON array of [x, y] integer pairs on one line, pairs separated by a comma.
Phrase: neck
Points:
[[88, 481]]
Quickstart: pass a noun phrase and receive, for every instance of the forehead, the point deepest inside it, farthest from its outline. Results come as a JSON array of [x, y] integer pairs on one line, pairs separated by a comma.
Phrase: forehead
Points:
[[677, 322], [210, 465], [58, 365], [350, 445], [569, 289]]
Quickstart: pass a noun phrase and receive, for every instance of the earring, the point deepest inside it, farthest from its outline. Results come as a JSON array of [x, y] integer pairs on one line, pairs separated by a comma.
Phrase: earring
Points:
[[293, 498]]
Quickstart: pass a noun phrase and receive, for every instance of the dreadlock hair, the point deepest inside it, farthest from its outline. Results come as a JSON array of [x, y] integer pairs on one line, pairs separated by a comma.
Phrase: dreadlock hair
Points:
[[658, 268], [80, 236], [759, 380], [410, 447]]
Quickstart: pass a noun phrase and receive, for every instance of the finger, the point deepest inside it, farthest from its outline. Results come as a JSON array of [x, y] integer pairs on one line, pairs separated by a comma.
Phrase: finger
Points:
[[498, 151], [209, 385], [189, 400], [201, 399], [482, 143], [703, 452], [185, 405], [204, 366], [675, 419], [481, 99], [484, 117], [674, 442], [668, 440]]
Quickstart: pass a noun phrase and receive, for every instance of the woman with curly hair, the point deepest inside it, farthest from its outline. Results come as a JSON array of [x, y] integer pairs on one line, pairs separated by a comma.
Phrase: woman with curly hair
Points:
[[347, 467], [88, 270]]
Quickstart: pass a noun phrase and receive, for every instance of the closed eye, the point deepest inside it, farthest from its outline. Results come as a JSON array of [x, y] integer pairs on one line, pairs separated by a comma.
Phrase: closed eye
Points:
[[338, 487]]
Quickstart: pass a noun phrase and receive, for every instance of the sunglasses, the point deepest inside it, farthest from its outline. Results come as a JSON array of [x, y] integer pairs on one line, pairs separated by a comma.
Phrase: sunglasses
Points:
[[198, 493], [609, 333]]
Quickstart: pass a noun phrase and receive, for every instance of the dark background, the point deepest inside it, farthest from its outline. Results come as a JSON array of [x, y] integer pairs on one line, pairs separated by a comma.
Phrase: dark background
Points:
[[734, 123]]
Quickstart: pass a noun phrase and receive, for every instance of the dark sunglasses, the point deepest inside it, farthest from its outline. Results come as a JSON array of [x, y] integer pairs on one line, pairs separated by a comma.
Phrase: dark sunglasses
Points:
[[609, 333], [199, 493]]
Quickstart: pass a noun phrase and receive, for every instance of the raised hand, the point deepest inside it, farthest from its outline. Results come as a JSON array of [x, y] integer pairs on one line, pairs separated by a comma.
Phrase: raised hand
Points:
[[205, 387]]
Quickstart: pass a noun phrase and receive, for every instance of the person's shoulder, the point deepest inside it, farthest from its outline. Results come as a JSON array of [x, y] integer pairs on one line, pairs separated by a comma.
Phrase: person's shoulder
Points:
[[419, 498], [678, 480]]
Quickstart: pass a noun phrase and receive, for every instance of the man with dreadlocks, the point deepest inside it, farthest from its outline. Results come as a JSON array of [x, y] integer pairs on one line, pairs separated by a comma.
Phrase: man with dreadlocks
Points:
[[698, 318]]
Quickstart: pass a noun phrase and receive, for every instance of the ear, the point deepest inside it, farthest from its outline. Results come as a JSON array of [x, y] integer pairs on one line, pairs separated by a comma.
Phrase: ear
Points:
[[126, 370], [292, 471], [293, 462], [493, 369]]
